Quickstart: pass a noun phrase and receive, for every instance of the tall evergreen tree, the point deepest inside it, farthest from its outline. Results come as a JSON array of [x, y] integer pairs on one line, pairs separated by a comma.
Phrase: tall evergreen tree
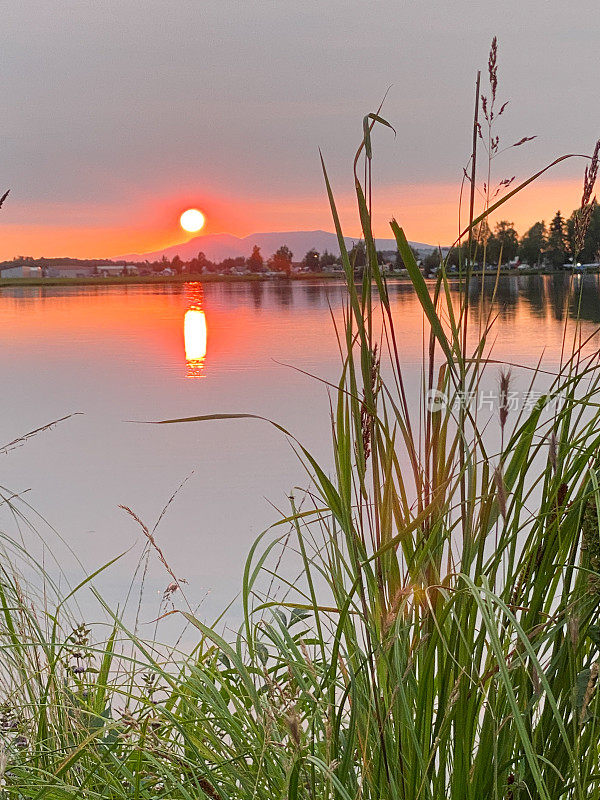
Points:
[[556, 249]]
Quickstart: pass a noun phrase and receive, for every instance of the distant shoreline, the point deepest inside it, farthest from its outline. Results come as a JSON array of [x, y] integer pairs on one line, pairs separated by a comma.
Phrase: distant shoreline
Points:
[[131, 280], [120, 280]]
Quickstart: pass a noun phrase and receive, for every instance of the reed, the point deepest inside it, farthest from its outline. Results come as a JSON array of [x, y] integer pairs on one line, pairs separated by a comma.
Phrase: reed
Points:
[[442, 637]]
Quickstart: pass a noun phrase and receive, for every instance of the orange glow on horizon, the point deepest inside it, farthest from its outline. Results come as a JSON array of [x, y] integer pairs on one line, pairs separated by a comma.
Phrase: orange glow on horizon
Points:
[[427, 212]]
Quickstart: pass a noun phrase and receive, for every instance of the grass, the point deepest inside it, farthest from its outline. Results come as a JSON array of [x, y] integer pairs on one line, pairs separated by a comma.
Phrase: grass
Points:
[[440, 639]]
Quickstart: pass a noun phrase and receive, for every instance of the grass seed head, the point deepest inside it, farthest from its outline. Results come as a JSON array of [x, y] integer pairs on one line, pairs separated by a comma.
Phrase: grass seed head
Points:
[[505, 380], [500, 492], [583, 215]]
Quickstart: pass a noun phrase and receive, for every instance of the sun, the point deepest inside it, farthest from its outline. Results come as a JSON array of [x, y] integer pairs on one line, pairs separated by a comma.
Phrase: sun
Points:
[[192, 220]]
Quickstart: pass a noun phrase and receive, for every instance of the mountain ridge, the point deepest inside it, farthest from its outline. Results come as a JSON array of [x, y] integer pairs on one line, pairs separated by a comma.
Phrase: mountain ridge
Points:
[[218, 246]]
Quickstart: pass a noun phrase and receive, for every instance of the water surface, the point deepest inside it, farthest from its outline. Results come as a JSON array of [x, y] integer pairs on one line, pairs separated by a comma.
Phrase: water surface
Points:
[[123, 356]]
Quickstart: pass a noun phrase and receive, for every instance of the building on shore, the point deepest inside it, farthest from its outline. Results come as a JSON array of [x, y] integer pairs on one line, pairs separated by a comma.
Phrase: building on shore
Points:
[[113, 270], [67, 270], [21, 271]]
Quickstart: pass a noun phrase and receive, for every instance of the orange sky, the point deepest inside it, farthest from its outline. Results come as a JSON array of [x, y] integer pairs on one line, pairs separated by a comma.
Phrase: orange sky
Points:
[[429, 213]]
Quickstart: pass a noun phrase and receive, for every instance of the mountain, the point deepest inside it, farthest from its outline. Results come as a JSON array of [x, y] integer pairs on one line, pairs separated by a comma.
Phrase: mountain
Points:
[[217, 246]]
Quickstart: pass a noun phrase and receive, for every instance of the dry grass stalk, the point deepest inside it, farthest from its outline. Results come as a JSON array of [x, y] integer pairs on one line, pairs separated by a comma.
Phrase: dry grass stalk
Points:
[[173, 587]]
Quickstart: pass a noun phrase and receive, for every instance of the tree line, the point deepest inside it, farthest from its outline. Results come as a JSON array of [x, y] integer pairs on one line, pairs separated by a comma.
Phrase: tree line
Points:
[[550, 245], [281, 261], [541, 245]]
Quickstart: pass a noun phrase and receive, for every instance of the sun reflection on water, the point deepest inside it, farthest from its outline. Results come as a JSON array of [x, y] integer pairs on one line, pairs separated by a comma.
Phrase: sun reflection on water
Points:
[[195, 335]]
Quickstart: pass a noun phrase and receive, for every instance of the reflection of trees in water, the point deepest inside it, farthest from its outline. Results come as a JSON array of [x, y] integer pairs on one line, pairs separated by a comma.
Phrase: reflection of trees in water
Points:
[[585, 299], [231, 289], [282, 293], [533, 292], [402, 291], [540, 293], [557, 288], [257, 293], [315, 294], [555, 292], [505, 301], [546, 292]]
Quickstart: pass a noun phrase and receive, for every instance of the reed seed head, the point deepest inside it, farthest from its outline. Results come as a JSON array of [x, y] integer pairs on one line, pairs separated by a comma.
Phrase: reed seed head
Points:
[[493, 67], [500, 491], [505, 380], [584, 214]]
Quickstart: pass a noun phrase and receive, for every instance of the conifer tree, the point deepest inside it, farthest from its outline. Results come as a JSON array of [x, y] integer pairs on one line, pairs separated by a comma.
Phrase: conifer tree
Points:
[[556, 251]]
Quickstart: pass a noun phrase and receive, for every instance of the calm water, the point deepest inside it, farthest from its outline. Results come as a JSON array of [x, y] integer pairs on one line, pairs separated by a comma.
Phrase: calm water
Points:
[[125, 355]]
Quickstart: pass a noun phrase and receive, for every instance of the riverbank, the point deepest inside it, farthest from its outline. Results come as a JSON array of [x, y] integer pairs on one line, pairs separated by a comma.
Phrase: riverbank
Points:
[[121, 280]]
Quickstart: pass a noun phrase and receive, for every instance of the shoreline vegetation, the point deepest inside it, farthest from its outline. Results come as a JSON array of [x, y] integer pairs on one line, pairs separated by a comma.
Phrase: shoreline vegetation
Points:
[[128, 280], [421, 622]]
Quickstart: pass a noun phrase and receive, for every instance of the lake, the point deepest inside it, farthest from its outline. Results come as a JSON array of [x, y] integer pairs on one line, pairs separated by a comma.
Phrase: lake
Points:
[[119, 357]]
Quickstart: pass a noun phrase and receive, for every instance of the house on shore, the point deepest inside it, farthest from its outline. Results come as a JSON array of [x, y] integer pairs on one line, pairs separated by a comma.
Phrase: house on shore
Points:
[[21, 271]]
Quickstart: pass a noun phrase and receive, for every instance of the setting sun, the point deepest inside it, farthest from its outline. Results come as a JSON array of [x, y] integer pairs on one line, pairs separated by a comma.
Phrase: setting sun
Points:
[[192, 220]]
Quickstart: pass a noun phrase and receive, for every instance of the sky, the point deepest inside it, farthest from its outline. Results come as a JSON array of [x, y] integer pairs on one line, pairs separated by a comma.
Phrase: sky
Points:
[[120, 114]]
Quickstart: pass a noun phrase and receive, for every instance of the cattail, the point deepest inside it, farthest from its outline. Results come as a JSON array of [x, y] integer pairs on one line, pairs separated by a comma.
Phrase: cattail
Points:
[[510, 781], [208, 789]]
